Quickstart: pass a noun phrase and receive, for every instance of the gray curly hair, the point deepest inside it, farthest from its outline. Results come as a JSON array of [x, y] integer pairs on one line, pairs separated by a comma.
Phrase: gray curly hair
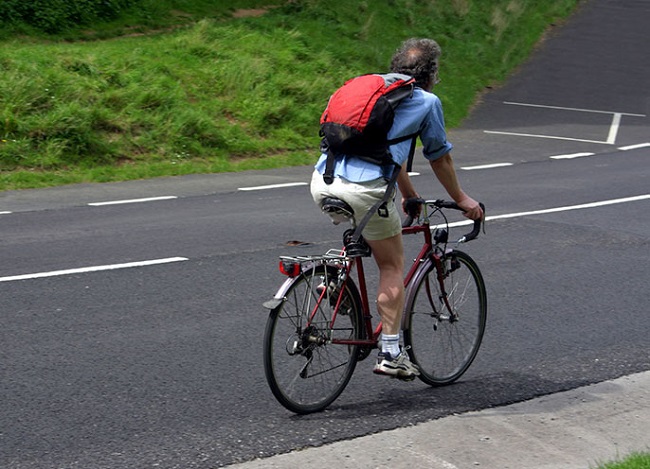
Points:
[[417, 58]]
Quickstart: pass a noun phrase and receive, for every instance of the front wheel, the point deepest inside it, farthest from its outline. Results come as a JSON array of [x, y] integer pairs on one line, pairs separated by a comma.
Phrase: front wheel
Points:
[[305, 370], [445, 336]]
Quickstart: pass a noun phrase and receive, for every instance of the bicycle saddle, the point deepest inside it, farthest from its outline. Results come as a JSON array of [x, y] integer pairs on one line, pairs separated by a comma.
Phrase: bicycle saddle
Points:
[[338, 210]]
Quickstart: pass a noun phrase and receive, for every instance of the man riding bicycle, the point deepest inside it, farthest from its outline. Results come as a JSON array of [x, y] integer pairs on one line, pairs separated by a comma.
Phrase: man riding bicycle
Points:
[[362, 184]]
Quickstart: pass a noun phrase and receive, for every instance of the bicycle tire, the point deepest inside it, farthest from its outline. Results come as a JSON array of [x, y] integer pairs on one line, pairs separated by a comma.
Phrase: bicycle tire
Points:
[[305, 371], [441, 346]]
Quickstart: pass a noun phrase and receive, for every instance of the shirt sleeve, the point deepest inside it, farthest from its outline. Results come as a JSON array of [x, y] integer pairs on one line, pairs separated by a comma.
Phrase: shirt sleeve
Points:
[[433, 134]]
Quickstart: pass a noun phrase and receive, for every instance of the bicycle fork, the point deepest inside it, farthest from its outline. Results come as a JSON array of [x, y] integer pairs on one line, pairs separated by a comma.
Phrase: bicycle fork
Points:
[[438, 298], [443, 271]]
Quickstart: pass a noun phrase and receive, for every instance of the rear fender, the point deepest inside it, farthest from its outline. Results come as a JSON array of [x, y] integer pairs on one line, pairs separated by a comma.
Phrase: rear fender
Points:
[[280, 294]]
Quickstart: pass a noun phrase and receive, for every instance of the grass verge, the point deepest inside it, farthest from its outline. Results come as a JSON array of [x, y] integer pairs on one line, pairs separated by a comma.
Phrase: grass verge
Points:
[[634, 461], [233, 92]]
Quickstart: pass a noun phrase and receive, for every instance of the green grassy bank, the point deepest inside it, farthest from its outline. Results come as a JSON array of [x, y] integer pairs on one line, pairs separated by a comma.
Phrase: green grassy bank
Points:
[[227, 90], [634, 461]]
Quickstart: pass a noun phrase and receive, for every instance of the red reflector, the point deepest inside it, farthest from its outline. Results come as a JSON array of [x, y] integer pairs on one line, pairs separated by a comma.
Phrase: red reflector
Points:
[[289, 268]]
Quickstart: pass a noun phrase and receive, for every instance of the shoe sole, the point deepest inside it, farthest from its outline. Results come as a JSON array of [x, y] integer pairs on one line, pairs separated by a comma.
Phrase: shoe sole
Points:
[[396, 375]]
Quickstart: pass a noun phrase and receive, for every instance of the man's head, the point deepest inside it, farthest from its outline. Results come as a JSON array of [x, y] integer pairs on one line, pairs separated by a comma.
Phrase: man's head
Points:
[[418, 58]]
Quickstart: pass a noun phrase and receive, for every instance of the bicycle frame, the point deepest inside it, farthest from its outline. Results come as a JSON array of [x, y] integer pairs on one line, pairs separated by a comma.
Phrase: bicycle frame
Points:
[[427, 251], [320, 322]]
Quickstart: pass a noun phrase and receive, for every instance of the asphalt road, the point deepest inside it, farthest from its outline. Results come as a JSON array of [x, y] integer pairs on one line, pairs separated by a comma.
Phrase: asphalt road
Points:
[[160, 365]]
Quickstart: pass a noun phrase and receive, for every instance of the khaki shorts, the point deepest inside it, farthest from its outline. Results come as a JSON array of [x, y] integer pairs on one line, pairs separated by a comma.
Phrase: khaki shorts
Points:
[[361, 196]]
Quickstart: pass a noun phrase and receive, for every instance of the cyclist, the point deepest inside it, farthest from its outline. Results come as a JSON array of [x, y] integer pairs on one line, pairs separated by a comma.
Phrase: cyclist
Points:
[[361, 184]]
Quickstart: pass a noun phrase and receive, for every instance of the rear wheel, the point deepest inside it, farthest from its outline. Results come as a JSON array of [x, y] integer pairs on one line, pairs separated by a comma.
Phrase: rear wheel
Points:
[[304, 369], [444, 337]]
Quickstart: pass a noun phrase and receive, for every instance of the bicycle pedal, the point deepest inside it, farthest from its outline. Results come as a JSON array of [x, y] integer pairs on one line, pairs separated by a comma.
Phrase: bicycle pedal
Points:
[[406, 378], [402, 378]]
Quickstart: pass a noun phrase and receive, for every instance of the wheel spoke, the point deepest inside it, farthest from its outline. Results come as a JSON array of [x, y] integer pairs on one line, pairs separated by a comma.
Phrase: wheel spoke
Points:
[[304, 369], [446, 325]]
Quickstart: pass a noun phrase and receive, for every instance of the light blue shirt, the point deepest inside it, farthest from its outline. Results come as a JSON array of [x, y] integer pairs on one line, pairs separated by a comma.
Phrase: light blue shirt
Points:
[[420, 113]]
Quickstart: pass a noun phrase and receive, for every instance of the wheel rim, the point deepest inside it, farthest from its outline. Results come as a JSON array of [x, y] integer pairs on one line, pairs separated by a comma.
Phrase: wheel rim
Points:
[[305, 370], [444, 343]]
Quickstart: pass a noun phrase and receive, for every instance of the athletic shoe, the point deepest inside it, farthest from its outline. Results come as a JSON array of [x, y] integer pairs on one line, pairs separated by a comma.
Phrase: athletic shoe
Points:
[[399, 367]]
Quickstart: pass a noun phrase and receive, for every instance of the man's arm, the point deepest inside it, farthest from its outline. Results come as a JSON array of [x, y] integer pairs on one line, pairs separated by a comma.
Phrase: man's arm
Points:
[[405, 184], [406, 187], [444, 170]]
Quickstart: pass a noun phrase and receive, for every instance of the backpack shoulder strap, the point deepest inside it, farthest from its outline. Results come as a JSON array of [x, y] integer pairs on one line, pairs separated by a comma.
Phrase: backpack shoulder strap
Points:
[[328, 175], [414, 139], [387, 195], [389, 189], [409, 164]]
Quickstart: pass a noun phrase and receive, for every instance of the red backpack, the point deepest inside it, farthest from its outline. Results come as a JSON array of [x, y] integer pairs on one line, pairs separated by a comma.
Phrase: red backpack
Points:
[[358, 117]]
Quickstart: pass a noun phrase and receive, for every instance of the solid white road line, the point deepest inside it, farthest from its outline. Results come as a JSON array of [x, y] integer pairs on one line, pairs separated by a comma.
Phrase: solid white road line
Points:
[[551, 137], [92, 269], [5, 213], [613, 129], [611, 136], [602, 203], [594, 111], [133, 201], [272, 186]]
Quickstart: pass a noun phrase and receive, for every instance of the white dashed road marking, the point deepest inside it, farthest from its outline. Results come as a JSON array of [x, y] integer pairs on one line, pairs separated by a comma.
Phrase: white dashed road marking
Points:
[[486, 166], [133, 201], [634, 147], [571, 156], [272, 186]]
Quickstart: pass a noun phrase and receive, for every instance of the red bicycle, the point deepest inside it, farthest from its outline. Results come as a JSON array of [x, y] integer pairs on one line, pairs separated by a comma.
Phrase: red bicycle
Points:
[[320, 324]]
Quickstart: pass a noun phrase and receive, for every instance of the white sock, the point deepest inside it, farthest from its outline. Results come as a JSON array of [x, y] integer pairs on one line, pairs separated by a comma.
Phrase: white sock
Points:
[[390, 344]]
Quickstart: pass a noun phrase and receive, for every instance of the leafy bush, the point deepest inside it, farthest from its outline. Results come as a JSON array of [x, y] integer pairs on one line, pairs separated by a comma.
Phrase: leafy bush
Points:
[[55, 16]]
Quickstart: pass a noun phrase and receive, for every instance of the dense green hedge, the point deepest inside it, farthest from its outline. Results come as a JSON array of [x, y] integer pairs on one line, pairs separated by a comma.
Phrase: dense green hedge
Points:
[[55, 16]]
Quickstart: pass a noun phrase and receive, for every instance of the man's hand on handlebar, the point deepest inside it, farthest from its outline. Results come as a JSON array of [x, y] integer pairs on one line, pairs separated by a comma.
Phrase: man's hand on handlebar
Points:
[[471, 209], [412, 206]]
